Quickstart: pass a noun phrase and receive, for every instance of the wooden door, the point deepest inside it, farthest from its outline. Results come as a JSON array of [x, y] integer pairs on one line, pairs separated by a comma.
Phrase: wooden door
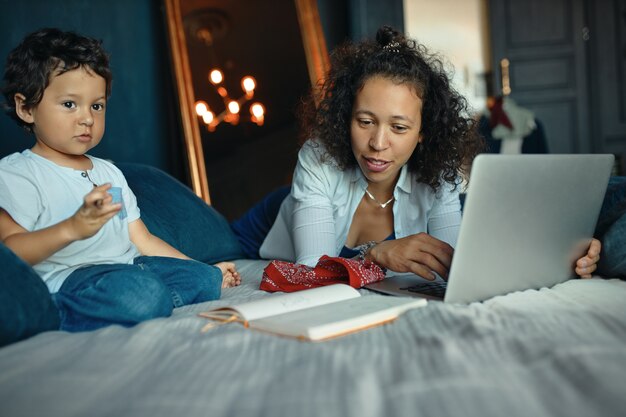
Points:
[[545, 42], [607, 68]]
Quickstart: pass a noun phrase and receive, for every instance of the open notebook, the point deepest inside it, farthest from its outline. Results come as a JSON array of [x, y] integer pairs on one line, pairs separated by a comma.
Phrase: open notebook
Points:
[[315, 314]]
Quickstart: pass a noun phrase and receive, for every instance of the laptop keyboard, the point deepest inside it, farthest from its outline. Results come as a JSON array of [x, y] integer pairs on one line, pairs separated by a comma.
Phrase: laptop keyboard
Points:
[[436, 288]]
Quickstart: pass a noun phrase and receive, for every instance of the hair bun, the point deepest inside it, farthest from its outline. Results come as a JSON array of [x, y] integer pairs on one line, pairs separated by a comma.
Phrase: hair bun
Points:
[[386, 34]]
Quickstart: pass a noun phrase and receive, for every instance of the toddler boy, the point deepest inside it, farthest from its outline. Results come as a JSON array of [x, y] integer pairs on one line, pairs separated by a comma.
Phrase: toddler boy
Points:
[[71, 215]]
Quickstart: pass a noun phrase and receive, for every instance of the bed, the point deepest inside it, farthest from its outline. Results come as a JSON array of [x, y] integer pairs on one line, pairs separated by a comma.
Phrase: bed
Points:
[[548, 352], [557, 351]]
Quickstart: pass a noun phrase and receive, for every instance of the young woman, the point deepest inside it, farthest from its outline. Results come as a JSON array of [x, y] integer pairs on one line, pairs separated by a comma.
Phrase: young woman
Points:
[[380, 174]]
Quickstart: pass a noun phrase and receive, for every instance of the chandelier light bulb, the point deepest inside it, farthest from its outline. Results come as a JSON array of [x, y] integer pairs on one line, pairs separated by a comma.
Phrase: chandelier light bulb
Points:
[[216, 76], [257, 110], [248, 84], [233, 107], [208, 117], [201, 108]]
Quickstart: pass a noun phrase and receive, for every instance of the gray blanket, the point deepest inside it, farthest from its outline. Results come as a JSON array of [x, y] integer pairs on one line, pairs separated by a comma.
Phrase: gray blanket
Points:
[[551, 352]]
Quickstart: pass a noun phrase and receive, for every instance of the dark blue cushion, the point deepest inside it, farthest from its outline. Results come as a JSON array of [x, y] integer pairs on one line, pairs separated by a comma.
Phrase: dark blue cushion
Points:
[[26, 307], [174, 213], [252, 228]]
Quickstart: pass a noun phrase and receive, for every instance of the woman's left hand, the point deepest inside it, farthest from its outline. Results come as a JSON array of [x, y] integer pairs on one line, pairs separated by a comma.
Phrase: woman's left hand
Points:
[[588, 263]]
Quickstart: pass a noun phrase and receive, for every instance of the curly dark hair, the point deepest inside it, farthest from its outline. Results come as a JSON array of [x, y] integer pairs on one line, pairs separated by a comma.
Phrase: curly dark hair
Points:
[[450, 136], [44, 53]]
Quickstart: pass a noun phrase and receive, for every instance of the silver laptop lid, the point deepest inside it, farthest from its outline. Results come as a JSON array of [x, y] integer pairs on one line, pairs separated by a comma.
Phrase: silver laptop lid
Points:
[[526, 220]]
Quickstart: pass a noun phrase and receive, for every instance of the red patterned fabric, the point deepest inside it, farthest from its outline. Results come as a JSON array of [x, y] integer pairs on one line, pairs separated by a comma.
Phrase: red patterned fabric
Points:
[[290, 277]]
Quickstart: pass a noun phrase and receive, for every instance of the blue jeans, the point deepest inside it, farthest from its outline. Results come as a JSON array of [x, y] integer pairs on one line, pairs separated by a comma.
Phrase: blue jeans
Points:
[[99, 295]]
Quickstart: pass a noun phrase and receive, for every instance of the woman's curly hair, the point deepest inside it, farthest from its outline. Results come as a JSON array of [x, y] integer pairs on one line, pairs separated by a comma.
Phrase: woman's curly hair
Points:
[[43, 54], [450, 136]]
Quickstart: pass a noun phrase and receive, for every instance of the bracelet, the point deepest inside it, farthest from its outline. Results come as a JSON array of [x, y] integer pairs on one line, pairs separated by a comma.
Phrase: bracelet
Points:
[[364, 248]]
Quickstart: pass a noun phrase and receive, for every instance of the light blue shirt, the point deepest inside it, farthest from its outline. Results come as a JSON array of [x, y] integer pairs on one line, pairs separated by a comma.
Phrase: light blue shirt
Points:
[[37, 193], [315, 219]]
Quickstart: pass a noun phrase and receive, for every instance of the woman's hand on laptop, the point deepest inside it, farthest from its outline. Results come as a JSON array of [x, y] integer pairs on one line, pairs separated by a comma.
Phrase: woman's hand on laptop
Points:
[[420, 254], [588, 263]]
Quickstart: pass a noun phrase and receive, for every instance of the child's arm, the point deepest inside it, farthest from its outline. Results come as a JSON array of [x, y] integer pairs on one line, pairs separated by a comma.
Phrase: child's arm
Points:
[[35, 247], [150, 245]]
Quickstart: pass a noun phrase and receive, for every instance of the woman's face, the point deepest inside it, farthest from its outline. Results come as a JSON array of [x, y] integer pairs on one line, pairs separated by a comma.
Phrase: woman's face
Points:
[[385, 128]]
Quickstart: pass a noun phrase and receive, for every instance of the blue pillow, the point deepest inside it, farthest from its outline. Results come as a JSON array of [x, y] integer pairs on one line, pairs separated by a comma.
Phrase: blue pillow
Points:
[[174, 213], [252, 228], [26, 307]]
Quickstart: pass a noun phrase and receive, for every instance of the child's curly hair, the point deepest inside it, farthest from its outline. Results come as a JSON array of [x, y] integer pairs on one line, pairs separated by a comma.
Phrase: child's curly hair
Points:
[[44, 53], [450, 137]]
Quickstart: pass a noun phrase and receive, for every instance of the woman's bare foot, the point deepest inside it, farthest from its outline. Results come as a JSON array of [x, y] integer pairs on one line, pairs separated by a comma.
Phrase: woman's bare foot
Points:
[[230, 276]]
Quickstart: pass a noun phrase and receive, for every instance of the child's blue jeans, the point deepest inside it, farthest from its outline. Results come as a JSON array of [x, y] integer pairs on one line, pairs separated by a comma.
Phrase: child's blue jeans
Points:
[[99, 295]]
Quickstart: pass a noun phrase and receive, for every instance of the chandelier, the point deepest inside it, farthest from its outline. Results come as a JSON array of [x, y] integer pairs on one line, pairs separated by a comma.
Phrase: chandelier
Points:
[[208, 26], [232, 107]]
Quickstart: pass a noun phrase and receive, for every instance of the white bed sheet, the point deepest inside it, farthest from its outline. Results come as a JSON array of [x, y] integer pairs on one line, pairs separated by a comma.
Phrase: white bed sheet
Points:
[[551, 352]]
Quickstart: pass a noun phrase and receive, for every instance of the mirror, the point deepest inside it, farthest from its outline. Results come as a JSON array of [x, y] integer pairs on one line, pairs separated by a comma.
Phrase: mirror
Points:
[[237, 154]]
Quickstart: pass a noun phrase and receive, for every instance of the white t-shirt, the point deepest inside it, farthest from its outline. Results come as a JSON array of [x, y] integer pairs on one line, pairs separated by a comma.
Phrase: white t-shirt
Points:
[[38, 193], [315, 218]]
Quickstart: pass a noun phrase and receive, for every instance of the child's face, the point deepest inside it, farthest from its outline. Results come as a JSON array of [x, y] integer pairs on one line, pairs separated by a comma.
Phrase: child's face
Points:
[[69, 120]]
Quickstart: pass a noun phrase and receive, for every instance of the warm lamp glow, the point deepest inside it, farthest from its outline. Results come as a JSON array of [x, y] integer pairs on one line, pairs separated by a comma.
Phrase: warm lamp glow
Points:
[[233, 107], [216, 76], [208, 117], [248, 84], [201, 108], [210, 27], [232, 118], [257, 110]]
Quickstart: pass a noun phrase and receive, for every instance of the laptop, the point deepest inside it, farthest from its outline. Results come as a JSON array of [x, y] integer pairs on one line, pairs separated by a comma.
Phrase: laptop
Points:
[[526, 220]]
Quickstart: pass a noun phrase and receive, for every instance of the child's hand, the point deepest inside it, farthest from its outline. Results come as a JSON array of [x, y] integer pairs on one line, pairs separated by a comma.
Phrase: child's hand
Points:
[[230, 276], [97, 209]]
